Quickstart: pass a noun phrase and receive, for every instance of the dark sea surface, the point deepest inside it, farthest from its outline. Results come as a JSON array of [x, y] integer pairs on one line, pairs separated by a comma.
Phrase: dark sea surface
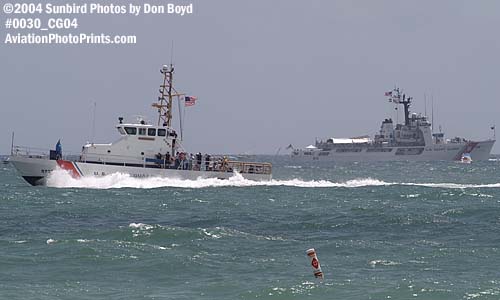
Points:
[[401, 230]]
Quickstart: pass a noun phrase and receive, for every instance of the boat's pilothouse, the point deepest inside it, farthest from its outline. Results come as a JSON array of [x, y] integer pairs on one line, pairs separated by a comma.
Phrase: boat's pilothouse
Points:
[[137, 141], [412, 140]]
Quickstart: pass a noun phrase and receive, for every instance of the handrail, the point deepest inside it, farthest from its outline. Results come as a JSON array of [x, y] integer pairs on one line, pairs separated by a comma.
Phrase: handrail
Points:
[[37, 152], [250, 167], [29, 151], [215, 164]]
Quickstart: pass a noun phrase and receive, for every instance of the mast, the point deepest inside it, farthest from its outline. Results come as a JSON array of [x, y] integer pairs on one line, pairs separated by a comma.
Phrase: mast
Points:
[[12, 144], [167, 94], [432, 103], [425, 105], [407, 102], [93, 122], [165, 99], [395, 96]]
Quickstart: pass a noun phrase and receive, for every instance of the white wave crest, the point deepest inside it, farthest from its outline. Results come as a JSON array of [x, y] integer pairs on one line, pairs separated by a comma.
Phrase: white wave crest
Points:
[[454, 185], [140, 226], [62, 179], [383, 262]]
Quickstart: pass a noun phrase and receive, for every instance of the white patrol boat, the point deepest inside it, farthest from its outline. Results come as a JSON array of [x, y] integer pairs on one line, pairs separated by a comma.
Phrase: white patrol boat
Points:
[[143, 150], [410, 141]]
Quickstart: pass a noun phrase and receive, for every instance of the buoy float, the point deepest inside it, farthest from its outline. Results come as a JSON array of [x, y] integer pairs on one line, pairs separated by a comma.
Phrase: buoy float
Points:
[[315, 263]]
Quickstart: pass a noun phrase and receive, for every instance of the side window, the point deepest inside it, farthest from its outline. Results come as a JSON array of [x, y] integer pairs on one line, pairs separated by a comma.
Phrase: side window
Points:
[[151, 131], [162, 132], [120, 129], [131, 130], [142, 131]]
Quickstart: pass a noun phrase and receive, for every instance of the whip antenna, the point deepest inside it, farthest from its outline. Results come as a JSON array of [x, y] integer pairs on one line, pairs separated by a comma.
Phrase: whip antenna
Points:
[[172, 53], [93, 122]]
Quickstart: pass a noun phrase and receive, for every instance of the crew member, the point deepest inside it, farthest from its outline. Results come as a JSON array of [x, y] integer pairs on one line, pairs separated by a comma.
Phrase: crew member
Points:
[[58, 150], [198, 160], [167, 159], [207, 162]]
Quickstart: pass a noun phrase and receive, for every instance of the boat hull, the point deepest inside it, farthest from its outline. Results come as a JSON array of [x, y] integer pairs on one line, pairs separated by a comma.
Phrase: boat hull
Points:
[[36, 170], [447, 152]]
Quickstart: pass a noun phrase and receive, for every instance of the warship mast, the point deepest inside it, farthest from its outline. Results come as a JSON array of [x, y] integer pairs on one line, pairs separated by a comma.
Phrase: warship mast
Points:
[[397, 98]]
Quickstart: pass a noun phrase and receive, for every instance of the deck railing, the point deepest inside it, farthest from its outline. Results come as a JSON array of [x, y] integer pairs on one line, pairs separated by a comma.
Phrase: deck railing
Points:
[[215, 164], [30, 152]]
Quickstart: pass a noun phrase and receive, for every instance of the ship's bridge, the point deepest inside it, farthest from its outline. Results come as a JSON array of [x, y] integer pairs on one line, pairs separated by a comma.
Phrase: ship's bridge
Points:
[[137, 141], [418, 120], [144, 130]]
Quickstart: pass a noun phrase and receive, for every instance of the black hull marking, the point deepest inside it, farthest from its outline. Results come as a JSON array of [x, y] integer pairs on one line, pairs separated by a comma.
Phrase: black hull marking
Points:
[[34, 180]]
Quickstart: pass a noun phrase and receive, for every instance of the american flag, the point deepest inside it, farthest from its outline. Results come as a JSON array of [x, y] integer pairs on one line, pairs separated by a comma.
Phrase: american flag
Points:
[[190, 100], [388, 93]]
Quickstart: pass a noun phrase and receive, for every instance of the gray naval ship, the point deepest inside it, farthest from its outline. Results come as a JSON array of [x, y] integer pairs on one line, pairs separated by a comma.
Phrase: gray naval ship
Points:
[[413, 140]]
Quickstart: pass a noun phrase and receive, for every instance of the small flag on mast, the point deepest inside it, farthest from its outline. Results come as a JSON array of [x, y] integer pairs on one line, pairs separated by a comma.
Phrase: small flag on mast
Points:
[[190, 100], [388, 94]]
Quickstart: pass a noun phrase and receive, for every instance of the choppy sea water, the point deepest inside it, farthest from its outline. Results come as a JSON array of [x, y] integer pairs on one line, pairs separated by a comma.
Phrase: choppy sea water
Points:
[[381, 231]]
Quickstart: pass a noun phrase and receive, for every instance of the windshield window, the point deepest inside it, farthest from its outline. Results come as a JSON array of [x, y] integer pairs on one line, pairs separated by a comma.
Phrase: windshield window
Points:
[[151, 131], [142, 131], [162, 132], [131, 130]]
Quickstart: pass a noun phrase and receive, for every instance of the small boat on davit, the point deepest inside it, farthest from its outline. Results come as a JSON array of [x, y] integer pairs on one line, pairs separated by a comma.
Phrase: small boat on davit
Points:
[[143, 150], [466, 158]]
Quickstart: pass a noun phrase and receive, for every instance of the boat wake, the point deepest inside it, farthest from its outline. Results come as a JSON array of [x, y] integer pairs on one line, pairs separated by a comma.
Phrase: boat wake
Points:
[[62, 179]]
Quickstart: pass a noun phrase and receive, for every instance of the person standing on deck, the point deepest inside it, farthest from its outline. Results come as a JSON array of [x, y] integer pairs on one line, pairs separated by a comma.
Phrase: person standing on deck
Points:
[[199, 157], [207, 162], [167, 160], [58, 150]]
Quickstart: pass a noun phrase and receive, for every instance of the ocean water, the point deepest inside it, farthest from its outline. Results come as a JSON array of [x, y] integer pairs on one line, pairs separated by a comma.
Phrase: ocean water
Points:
[[381, 231]]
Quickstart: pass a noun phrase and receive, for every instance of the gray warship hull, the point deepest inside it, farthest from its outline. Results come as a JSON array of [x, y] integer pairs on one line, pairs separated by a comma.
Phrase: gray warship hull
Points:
[[360, 153]]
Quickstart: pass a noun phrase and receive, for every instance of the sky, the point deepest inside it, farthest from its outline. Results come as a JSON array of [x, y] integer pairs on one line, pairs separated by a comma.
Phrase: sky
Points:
[[266, 73]]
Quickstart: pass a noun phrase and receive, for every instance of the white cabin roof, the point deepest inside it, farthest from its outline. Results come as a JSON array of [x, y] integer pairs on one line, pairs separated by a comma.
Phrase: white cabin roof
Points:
[[349, 141], [136, 125]]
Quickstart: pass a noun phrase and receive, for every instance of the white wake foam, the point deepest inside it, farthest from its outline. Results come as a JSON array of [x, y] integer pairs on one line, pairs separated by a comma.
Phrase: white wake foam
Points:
[[62, 179]]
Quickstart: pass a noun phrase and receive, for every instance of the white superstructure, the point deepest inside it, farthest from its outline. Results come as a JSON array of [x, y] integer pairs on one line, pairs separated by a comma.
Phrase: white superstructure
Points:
[[412, 140], [143, 150]]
